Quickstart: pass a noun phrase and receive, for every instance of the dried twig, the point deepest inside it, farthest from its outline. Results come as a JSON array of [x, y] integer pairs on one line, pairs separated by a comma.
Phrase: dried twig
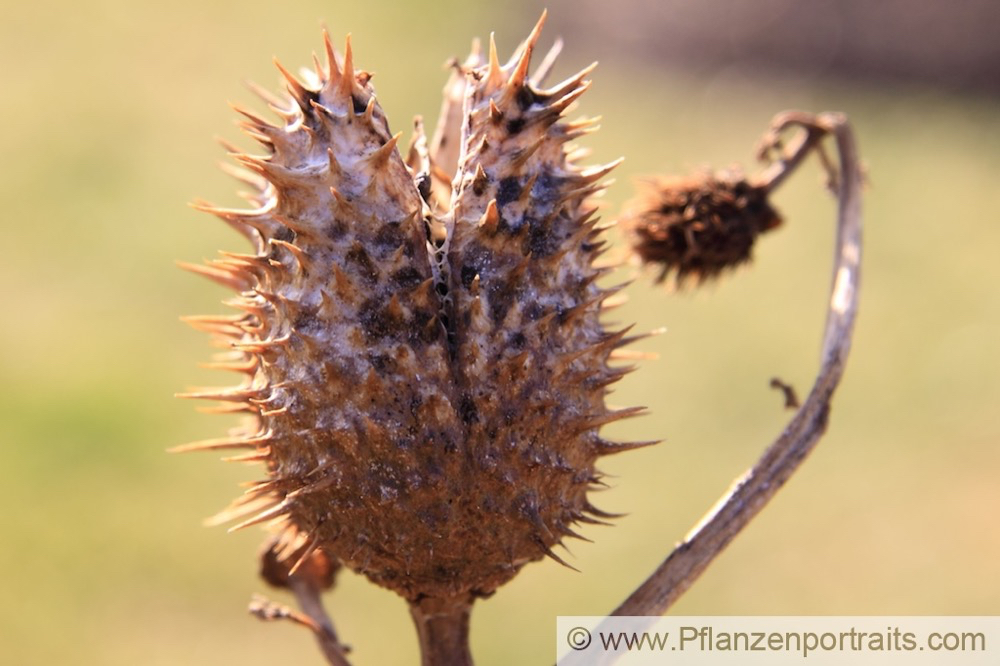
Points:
[[788, 391], [308, 596], [306, 572], [268, 610], [754, 489]]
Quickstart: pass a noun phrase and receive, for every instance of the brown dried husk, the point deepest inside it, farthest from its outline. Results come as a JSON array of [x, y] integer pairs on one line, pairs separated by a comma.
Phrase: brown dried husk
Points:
[[699, 226], [425, 380]]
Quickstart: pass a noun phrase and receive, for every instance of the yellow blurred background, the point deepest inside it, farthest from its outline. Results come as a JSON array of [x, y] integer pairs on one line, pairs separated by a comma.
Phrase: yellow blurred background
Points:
[[108, 113]]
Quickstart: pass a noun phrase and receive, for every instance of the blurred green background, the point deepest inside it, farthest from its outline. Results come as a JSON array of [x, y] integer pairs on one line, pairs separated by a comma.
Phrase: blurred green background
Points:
[[108, 113]]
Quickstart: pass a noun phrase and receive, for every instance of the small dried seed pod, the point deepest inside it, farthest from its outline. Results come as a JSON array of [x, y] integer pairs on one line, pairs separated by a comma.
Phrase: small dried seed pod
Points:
[[698, 226]]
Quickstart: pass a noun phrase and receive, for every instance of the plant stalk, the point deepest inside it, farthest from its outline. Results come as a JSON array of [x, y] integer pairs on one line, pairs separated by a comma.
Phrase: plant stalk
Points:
[[443, 630]]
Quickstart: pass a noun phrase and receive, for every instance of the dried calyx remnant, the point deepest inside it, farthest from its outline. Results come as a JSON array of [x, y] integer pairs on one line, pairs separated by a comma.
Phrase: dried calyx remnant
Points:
[[699, 226], [424, 367]]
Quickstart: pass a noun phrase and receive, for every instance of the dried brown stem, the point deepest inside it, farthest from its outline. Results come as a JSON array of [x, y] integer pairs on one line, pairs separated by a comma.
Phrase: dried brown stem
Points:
[[784, 160], [750, 493], [313, 616], [307, 572], [308, 596], [443, 630]]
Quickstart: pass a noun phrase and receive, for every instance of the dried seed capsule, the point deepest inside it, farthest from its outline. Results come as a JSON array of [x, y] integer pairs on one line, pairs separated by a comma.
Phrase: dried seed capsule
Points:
[[425, 387], [699, 226]]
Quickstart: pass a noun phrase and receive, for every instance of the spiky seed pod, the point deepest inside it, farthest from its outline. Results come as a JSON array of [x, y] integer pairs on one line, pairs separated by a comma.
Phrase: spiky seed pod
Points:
[[425, 374], [699, 226]]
